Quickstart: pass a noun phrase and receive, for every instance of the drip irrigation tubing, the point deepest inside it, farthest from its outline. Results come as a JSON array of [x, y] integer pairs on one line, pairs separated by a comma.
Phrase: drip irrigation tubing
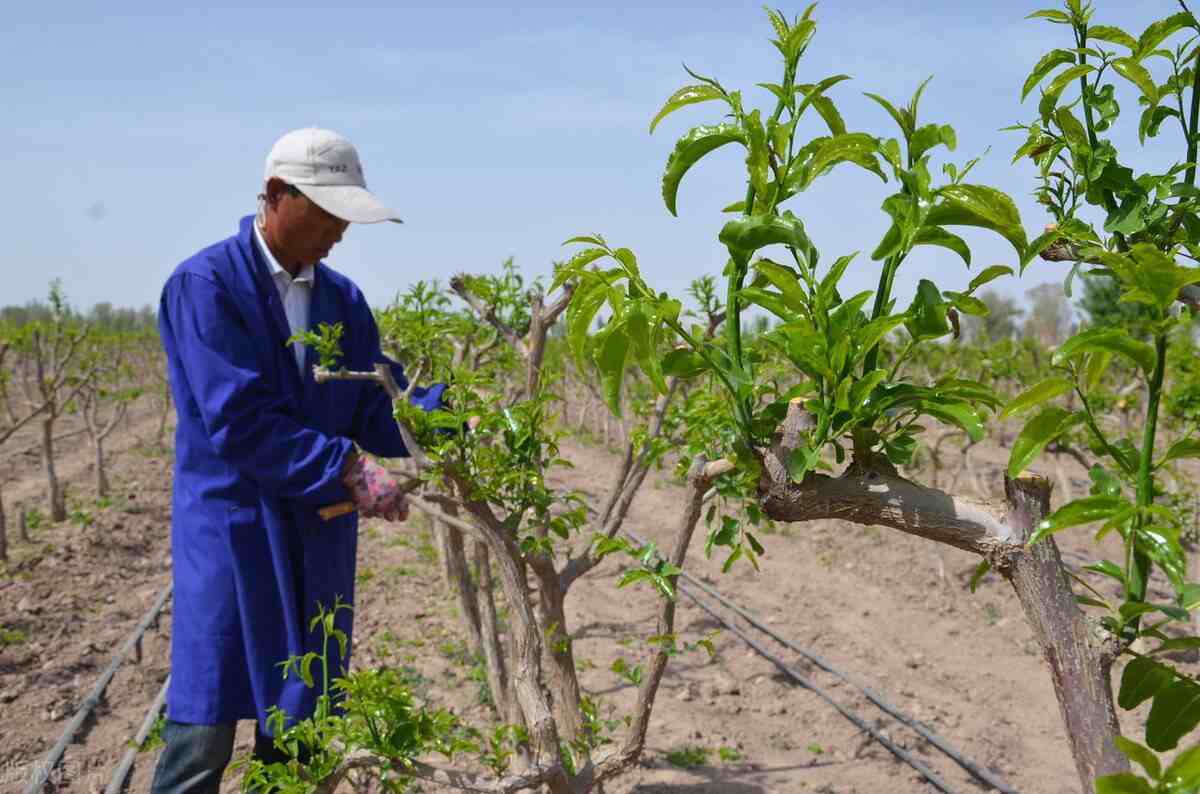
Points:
[[42, 773], [117, 784], [936, 741]]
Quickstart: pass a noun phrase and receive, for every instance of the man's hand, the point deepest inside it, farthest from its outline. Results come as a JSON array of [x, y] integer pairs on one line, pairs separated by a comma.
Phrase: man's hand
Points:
[[376, 493]]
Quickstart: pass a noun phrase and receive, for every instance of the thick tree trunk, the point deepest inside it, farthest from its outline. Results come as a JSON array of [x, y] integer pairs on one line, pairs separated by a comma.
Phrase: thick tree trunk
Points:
[[458, 577], [489, 634], [558, 663], [1080, 656], [58, 505], [102, 488]]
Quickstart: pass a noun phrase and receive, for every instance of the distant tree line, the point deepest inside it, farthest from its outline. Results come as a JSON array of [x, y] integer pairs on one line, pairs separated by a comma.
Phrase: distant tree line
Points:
[[103, 315]]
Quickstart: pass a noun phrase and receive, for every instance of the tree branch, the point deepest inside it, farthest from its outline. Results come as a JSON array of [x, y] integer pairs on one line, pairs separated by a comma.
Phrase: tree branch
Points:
[[872, 493], [700, 479], [487, 314]]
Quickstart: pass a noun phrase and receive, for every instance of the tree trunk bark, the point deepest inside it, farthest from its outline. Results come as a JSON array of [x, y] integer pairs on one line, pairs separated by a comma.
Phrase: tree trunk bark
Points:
[[489, 632], [558, 662], [1079, 655], [464, 589], [58, 507], [102, 488], [3, 528]]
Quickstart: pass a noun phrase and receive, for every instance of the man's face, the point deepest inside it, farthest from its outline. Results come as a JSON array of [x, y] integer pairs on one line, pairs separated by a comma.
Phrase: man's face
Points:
[[298, 231]]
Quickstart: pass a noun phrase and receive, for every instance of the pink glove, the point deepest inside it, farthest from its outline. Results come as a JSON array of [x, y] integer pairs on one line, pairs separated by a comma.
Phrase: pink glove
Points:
[[376, 493]]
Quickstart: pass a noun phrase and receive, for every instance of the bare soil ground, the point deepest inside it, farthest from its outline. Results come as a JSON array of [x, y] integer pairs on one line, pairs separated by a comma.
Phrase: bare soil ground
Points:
[[891, 609]]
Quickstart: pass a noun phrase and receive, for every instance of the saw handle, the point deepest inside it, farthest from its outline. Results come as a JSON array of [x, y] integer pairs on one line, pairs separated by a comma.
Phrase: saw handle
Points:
[[330, 512]]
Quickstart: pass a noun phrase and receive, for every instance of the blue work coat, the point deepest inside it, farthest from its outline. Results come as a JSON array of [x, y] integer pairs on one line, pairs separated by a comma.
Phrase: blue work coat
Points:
[[258, 449]]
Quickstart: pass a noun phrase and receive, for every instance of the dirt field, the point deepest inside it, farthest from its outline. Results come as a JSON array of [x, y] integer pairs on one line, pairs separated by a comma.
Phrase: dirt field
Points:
[[891, 609]]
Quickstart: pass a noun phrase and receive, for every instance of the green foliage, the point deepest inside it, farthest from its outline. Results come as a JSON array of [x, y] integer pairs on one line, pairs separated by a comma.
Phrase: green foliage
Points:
[[154, 739], [326, 340], [1147, 222], [830, 340], [368, 710], [688, 756]]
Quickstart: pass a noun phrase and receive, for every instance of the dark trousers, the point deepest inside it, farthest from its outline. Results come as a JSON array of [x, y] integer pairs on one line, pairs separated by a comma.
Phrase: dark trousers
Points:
[[195, 757]]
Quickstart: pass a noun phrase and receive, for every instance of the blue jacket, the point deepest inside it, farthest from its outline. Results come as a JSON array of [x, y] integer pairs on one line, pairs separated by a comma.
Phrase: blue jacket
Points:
[[258, 450]]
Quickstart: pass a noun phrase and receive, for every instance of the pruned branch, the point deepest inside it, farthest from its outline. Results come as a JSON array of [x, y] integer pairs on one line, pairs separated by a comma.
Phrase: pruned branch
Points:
[[872, 493], [382, 376]]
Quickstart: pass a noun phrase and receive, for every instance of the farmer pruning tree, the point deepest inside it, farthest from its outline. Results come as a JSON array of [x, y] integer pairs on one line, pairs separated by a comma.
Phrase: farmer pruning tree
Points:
[[260, 448]]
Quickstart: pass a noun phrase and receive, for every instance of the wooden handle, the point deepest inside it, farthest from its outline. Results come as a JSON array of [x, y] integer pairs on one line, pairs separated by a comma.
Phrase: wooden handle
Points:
[[330, 512]]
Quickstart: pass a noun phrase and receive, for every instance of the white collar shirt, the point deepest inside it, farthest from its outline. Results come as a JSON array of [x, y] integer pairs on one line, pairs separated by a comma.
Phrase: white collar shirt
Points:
[[295, 293]]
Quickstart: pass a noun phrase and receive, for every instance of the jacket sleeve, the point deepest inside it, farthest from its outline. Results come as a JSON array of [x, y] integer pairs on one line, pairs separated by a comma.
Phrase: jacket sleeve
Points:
[[247, 423], [374, 426]]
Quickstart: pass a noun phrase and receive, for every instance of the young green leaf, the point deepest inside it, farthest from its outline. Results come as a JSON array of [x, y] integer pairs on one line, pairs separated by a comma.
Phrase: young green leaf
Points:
[[744, 236], [936, 235], [1184, 772], [1048, 425], [688, 151], [1174, 714], [1059, 84], [613, 353], [1081, 511], [1048, 63], [989, 274], [903, 118], [1111, 340], [688, 95], [1139, 75], [1112, 34], [1184, 448], [979, 205], [858, 148], [1052, 14], [1159, 31], [1142, 755], [927, 314], [1036, 395], [1141, 680], [1122, 783]]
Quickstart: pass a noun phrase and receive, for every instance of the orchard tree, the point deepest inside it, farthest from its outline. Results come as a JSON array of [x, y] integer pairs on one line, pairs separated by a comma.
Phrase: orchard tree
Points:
[[105, 397], [51, 375], [862, 420]]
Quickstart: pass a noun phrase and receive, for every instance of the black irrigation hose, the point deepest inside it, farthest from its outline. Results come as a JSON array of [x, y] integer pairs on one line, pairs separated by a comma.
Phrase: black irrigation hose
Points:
[[903, 755], [42, 773], [935, 740], [117, 784]]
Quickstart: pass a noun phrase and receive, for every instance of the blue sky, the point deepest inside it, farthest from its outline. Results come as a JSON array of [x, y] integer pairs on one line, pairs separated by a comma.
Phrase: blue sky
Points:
[[136, 132]]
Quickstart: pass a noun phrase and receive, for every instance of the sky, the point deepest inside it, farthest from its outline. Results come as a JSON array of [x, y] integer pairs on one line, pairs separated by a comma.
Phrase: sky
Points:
[[136, 132]]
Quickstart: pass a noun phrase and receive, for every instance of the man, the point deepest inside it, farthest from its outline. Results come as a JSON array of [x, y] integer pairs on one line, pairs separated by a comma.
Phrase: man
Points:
[[260, 448]]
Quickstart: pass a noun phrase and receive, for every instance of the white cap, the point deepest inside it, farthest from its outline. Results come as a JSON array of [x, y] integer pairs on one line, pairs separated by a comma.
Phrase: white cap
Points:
[[324, 166]]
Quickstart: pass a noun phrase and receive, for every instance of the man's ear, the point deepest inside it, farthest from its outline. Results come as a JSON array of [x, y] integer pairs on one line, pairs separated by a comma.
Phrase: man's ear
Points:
[[275, 189]]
